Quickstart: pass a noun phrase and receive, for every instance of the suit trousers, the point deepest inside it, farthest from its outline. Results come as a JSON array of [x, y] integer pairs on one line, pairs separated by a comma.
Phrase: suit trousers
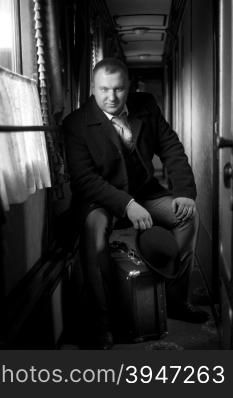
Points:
[[97, 264], [185, 234]]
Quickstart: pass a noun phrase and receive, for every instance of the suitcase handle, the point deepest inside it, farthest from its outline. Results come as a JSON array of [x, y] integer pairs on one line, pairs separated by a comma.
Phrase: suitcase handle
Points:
[[118, 246]]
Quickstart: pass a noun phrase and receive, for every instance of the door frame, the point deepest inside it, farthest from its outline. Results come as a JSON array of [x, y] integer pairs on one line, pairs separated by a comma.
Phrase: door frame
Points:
[[225, 278]]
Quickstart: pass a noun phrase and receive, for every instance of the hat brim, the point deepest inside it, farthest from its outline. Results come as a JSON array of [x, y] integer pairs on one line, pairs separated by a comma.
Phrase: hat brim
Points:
[[158, 249]]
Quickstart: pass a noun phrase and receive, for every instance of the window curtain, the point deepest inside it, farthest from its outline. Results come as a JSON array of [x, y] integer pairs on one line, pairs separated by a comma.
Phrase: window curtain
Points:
[[24, 165]]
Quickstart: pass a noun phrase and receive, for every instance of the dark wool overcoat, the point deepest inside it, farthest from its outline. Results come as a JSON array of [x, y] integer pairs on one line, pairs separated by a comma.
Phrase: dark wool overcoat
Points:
[[96, 163]]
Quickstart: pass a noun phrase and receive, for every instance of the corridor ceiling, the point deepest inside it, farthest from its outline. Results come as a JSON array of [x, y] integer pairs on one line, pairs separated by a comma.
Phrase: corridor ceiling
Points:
[[141, 25]]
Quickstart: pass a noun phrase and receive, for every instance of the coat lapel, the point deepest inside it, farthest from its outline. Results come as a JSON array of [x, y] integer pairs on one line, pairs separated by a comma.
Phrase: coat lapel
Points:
[[97, 119], [135, 125], [135, 116], [98, 126]]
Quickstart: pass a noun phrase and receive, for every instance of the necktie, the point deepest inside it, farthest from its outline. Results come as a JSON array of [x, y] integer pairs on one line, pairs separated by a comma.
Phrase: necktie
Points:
[[122, 127]]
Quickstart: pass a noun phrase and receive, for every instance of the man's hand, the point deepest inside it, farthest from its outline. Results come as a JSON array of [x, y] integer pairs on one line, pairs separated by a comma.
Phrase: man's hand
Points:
[[140, 217], [184, 208]]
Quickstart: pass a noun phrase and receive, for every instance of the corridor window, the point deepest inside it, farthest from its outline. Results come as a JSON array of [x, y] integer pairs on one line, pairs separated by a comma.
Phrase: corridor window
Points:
[[9, 35]]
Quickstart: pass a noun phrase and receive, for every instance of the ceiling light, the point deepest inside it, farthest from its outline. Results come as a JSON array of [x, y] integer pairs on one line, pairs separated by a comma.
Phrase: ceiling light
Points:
[[140, 30], [144, 56]]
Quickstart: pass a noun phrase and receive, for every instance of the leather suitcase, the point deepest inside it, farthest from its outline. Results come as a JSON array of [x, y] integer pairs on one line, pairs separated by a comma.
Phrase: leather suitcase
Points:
[[141, 294]]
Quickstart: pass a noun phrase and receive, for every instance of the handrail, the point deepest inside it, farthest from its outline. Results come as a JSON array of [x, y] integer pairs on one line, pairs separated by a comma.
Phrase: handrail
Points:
[[9, 128]]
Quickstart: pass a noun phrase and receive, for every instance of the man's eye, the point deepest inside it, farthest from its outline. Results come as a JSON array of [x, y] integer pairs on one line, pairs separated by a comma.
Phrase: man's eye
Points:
[[119, 90], [104, 90]]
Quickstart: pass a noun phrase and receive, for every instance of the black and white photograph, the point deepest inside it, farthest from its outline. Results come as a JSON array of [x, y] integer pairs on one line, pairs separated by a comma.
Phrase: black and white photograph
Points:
[[116, 185]]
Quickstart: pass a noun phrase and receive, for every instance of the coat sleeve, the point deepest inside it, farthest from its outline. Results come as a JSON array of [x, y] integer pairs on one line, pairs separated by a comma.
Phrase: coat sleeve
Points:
[[171, 152], [86, 181]]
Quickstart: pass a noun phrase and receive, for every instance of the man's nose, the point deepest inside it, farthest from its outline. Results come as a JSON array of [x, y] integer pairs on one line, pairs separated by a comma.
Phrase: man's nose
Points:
[[112, 95]]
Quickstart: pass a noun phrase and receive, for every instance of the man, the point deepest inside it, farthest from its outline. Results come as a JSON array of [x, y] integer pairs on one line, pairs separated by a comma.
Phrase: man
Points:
[[110, 143]]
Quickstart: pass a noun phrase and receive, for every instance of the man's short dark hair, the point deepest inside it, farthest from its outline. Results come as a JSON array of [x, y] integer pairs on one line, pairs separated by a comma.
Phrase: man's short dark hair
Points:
[[111, 65]]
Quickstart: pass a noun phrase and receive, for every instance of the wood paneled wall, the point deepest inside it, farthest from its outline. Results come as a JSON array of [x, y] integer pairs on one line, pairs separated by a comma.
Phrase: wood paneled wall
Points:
[[193, 113]]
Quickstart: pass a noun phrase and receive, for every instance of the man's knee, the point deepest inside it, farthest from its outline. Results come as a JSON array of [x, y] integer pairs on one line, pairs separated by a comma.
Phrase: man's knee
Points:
[[196, 220], [186, 234], [97, 227], [191, 224]]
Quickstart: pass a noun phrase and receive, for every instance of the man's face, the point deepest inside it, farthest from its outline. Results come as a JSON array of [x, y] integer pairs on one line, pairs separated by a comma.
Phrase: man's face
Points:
[[110, 91]]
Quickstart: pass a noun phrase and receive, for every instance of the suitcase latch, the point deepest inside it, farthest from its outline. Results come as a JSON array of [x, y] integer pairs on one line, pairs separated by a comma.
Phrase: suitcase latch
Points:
[[133, 274]]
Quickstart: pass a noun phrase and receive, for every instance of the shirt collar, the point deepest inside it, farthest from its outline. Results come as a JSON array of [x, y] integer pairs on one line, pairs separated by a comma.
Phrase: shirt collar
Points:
[[109, 116]]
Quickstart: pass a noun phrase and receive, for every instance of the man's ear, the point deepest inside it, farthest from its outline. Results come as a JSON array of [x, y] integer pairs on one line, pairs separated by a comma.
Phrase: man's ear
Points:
[[132, 86], [92, 87], [128, 85]]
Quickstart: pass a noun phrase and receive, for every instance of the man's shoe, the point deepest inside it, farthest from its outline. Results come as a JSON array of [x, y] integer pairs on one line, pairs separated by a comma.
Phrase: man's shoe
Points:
[[188, 313], [104, 340]]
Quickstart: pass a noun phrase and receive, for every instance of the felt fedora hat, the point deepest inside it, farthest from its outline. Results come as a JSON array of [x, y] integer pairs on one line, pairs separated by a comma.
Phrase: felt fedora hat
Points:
[[157, 247]]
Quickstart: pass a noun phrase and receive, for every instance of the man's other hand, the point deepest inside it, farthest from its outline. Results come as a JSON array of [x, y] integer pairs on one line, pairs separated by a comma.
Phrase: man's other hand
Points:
[[184, 208], [140, 217]]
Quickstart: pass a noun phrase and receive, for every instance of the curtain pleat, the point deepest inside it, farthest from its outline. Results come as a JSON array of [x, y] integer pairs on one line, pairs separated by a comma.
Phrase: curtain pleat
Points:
[[24, 165]]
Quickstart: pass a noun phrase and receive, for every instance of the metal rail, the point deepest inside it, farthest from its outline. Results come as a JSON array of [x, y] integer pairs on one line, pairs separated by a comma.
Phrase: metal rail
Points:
[[9, 128]]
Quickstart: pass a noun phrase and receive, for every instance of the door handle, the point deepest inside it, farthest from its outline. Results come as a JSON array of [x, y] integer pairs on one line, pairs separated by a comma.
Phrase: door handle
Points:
[[227, 174], [224, 143]]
